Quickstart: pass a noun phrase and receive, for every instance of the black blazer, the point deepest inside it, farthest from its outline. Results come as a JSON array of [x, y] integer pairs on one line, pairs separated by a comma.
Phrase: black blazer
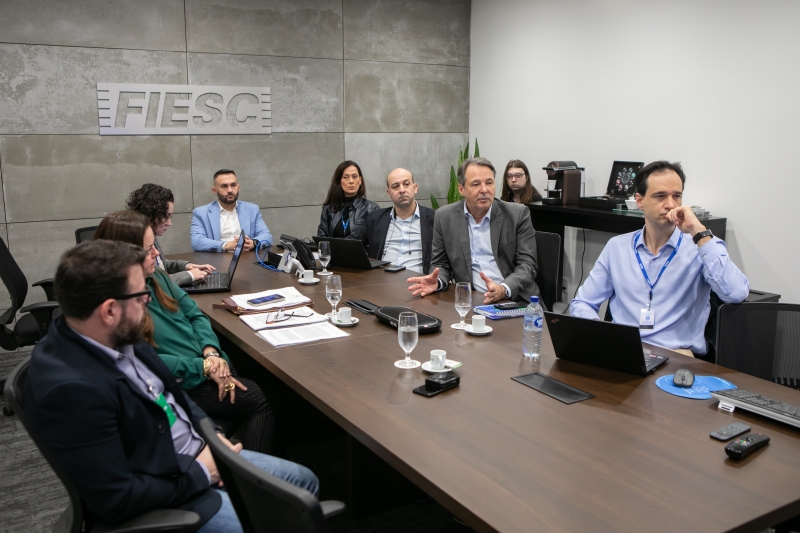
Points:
[[378, 226], [109, 438], [328, 220]]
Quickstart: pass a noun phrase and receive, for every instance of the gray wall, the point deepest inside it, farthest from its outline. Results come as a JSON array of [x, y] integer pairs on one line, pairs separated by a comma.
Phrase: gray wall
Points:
[[383, 82]]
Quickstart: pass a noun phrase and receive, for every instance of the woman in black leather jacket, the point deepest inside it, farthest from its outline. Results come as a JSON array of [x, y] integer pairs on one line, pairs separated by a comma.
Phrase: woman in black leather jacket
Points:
[[344, 213]]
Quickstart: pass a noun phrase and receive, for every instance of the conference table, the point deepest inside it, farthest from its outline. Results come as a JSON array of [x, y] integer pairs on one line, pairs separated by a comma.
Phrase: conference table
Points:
[[504, 457]]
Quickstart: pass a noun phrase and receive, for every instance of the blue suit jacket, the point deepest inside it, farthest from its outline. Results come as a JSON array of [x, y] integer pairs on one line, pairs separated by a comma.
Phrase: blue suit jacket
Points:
[[205, 226], [109, 438]]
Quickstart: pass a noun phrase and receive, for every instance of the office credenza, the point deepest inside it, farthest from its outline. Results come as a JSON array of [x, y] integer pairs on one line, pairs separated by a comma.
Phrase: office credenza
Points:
[[554, 218], [503, 457]]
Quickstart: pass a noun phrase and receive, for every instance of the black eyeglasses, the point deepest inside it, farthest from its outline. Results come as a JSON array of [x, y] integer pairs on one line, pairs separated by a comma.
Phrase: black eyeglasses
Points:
[[135, 295], [515, 176]]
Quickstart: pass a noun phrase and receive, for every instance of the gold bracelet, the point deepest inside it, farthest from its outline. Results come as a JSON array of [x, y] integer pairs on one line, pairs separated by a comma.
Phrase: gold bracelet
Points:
[[206, 367]]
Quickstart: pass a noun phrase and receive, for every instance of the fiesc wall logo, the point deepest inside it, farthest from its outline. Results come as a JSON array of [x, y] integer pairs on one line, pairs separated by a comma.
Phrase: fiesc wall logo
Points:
[[147, 109]]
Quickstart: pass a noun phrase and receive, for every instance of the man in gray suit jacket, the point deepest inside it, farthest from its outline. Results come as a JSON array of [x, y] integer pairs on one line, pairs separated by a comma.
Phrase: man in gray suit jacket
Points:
[[483, 241]]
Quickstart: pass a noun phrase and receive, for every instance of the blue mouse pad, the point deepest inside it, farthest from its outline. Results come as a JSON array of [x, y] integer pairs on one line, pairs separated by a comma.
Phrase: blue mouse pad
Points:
[[700, 390]]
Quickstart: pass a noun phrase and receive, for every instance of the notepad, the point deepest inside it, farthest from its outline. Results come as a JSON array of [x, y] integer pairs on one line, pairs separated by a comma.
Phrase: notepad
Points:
[[492, 313]]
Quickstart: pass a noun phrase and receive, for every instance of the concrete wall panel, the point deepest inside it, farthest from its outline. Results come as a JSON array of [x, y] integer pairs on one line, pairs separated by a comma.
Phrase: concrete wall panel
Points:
[[285, 169], [428, 156], [397, 97], [37, 247], [144, 24], [300, 28], [55, 177], [5, 300], [296, 221], [306, 93], [413, 31], [176, 240], [52, 89], [2, 198]]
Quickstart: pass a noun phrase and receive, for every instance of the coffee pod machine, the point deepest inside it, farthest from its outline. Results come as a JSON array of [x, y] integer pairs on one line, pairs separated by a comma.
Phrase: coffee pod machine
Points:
[[563, 183]]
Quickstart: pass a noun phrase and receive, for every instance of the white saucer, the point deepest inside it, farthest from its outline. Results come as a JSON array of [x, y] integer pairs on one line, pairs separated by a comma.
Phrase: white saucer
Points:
[[486, 330], [311, 281], [353, 322], [426, 366]]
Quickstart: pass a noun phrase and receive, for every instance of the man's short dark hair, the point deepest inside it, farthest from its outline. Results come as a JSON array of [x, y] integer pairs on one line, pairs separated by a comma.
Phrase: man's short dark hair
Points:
[[477, 161], [656, 167], [223, 171], [93, 272], [152, 201]]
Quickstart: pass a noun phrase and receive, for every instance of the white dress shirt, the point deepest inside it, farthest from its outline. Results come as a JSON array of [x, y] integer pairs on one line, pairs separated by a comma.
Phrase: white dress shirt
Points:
[[228, 224], [403, 245]]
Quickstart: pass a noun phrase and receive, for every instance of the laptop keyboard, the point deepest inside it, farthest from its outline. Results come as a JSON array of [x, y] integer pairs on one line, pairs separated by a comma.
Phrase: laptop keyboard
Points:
[[375, 263], [214, 281], [651, 360]]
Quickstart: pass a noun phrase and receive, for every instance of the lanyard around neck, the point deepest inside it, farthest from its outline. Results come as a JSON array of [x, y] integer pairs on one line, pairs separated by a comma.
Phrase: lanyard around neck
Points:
[[644, 272]]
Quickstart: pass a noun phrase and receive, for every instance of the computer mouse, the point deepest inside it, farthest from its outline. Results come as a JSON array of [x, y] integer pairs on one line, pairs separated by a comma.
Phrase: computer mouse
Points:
[[683, 378]]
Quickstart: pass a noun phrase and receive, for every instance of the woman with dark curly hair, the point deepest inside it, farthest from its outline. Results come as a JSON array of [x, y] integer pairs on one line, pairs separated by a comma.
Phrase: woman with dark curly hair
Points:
[[344, 213], [157, 203]]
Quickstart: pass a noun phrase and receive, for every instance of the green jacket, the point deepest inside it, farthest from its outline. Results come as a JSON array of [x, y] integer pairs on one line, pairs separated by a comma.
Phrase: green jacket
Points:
[[182, 335]]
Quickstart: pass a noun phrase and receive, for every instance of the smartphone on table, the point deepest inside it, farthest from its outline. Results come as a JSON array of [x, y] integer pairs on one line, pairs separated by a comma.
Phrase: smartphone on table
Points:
[[264, 300]]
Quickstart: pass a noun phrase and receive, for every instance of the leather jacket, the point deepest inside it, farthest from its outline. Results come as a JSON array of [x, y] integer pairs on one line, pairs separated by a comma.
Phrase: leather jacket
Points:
[[358, 230]]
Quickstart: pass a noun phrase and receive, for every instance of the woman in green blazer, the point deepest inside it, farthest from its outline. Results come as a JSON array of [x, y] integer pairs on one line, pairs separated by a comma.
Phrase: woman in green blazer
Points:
[[182, 336]]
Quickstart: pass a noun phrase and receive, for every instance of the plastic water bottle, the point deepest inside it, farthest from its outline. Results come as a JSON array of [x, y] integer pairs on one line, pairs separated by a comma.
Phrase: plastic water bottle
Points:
[[532, 329]]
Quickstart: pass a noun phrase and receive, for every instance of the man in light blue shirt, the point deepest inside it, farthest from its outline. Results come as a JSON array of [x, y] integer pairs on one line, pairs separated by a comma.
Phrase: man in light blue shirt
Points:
[[660, 278]]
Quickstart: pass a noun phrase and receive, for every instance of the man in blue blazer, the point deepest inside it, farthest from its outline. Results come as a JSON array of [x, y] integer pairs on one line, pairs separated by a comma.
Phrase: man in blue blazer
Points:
[[216, 226], [109, 410]]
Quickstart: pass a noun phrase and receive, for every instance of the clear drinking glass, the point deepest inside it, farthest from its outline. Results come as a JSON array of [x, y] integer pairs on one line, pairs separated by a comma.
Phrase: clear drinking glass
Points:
[[324, 248], [333, 292], [463, 303], [407, 337]]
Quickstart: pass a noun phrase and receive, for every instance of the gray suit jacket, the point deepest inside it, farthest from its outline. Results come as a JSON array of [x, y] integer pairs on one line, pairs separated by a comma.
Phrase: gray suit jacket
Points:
[[176, 269], [513, 244]]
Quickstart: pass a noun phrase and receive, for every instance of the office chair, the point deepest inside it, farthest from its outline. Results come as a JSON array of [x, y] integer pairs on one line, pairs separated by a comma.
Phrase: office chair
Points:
[[85, 234], [761, 339], [263, 502], [71, 520], [548, 252], [33, 323]]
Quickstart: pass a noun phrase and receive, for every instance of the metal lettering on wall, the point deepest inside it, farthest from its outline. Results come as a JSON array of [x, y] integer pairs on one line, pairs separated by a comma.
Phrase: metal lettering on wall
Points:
[[147, 109]]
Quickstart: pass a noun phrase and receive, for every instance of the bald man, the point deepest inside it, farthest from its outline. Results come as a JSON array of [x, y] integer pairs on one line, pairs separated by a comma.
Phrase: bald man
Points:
[[402, 233]]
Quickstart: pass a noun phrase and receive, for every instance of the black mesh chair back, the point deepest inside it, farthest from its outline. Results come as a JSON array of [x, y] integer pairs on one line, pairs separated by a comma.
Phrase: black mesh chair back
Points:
[[85, 234], [15, 282], [548, 257], [263, 502], [71, 520], [761, 339]]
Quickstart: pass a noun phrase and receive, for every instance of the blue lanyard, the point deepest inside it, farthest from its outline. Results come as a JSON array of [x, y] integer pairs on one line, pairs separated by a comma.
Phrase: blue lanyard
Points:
[[644, 272], [345, 223]]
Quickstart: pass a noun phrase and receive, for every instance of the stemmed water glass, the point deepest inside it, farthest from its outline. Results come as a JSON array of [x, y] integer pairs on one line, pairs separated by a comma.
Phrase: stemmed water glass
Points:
[[407, 337], [463, 303], [333, 292], [324, 248]]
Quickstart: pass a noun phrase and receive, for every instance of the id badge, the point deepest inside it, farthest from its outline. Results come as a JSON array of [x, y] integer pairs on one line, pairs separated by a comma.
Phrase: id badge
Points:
[[161, 401], [647, 319]]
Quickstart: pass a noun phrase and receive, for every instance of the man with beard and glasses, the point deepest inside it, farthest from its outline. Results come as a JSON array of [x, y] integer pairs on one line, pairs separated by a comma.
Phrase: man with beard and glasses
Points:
[[216, 226], [402, 233], [482, 241], [109, 410]]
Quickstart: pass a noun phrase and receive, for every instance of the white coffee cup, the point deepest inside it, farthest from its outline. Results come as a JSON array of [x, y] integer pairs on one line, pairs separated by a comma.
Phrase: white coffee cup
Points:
[[551, 184], [307, 275], [478, 323], [438, 359], [344, 315]]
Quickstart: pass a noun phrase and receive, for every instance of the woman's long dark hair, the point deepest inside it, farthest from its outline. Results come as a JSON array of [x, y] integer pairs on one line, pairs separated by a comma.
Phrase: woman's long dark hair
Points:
[[529, 193], [335, 198], [130, 226]]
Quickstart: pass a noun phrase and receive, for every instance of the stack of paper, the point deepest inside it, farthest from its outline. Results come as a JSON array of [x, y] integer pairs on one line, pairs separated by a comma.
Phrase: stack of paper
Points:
[[296, 317], [292, 297], [301, 334]]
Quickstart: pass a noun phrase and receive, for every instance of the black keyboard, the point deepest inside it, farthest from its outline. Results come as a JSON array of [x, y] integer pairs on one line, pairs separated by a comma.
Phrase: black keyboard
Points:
[[214, 281], [775, 409]]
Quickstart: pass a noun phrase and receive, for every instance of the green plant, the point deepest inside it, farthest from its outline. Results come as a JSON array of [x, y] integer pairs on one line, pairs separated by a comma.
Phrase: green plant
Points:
[[452, 193]]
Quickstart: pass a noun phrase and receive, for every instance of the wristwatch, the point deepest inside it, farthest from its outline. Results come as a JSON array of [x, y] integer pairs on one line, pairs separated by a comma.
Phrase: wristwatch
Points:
[[702, 235], [211, 354]]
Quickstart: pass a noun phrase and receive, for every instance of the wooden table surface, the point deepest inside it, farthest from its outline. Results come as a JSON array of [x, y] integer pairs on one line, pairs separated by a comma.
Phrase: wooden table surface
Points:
[[504, 457]]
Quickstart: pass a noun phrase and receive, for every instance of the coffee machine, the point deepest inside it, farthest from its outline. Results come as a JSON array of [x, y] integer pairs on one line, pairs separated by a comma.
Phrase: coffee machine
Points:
[[563, 183]]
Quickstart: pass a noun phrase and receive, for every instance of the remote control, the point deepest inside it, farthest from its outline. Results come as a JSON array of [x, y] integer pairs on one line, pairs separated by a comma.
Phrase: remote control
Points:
[[744, 446], [728, 432]]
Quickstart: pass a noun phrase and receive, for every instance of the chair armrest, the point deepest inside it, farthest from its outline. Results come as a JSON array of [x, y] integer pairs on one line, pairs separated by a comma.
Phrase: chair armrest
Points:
[[560, 307], [48, 286], [43, 314], [331, 508], [158, 520]]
